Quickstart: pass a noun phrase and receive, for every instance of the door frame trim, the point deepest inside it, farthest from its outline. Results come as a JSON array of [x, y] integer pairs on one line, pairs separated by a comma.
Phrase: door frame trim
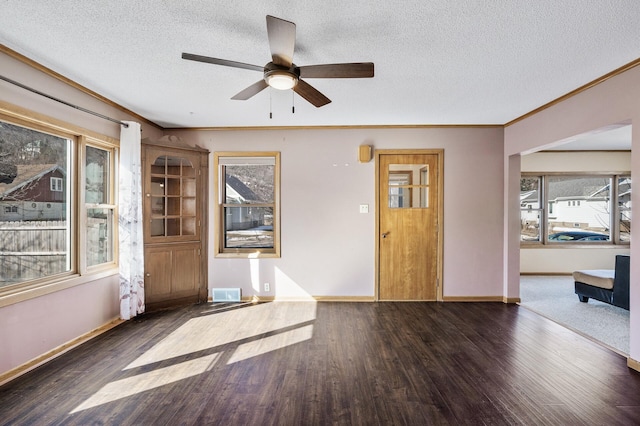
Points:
[[440, 213]]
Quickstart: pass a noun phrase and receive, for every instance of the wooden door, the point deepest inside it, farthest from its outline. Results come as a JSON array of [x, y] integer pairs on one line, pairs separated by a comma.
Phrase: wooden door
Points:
[[408, 214]]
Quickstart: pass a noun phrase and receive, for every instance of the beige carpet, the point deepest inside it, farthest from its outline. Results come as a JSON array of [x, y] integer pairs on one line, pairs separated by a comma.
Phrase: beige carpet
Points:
[[554, 298]]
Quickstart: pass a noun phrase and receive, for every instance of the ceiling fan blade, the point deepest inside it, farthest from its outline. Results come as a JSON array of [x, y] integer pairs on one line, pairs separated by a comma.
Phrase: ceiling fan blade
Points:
[[250, 91], [226, 63], [282, 40], [311, 94], [349, 70]]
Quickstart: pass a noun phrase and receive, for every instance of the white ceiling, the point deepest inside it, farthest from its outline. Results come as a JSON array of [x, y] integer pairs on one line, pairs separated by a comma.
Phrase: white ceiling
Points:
[[436, 61], [610, 138]]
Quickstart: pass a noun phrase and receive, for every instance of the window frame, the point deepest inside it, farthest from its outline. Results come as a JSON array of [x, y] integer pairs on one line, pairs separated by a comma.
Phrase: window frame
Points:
[[219, 219], [78, 272], [545, 207]]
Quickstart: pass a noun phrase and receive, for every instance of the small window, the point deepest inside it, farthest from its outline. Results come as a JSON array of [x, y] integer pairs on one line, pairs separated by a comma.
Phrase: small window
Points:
[[248, 204], [56, 184], [100, 207], [530, 211], [624, 209]]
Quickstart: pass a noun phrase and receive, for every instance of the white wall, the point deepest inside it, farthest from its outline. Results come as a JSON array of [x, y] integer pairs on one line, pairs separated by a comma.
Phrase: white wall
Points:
[[613, 101], [564, 260], [328, 247]]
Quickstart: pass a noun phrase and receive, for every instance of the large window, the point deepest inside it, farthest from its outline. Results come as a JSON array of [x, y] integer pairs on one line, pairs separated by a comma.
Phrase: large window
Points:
[[590, 209], [248, 202], [41, 206]]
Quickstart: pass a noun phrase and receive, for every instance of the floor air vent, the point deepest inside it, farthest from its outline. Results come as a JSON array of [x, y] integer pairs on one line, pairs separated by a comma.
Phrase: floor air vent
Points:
[[226, 295]]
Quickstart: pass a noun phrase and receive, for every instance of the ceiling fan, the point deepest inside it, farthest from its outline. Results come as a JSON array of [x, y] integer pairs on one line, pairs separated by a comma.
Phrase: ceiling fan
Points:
[[281, 73]]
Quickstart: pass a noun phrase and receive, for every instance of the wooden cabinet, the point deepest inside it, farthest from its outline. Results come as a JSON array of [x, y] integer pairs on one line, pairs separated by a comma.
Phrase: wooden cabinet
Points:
[[175, 202]]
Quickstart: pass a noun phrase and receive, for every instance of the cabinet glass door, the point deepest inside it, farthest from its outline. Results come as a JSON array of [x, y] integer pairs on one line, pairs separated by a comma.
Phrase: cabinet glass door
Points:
[[172, 193]]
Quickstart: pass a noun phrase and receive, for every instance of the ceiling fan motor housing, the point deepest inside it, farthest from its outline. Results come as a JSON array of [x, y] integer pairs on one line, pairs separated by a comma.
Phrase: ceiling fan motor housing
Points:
[[280, 77]]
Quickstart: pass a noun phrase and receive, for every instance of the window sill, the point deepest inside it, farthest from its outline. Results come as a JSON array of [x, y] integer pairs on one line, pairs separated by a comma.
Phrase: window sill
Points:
[[23, 293], [574, 245], [246, 255]]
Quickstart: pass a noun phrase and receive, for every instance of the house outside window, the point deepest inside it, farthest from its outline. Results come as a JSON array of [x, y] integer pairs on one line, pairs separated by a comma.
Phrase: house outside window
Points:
[[248, 198], [40, 207], [579, 209]]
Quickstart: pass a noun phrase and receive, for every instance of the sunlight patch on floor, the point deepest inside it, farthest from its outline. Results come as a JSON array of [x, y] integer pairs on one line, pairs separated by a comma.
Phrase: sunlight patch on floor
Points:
[[271, 343], [146, 381], [248, 331], [211, 331]]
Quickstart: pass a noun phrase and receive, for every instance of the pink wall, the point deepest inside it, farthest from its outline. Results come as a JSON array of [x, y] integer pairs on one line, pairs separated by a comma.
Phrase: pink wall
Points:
[[36, 326], [616, 100], [328, 247], [31, 328]]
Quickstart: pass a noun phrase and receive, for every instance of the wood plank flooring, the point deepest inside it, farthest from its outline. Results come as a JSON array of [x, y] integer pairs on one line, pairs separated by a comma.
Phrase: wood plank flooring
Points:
[[331, 363]]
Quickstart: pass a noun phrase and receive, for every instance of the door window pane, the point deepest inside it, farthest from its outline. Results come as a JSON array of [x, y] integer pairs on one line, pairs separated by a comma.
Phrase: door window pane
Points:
[[408, 186]]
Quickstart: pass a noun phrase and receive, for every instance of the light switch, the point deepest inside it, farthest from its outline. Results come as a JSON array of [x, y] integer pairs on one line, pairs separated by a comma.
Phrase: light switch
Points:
[[364, 208]]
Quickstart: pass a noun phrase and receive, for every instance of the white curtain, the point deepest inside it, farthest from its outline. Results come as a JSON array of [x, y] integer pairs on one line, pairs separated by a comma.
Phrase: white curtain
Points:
[[131, 243]]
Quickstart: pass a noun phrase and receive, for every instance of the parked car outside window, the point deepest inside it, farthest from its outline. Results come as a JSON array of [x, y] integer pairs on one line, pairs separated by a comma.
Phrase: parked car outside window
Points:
[[578, 236]]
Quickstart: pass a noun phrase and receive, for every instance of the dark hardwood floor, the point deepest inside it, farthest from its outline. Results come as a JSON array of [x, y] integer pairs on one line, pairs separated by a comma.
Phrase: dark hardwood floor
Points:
[[331, 363]]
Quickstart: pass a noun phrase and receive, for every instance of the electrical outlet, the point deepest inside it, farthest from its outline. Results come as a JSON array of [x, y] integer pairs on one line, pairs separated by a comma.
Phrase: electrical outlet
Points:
[[267, 287], [364, 208]]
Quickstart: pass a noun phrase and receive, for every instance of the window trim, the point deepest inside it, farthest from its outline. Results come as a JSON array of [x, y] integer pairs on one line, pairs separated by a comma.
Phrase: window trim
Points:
[[218, 211], [614, 237], [79, 274]]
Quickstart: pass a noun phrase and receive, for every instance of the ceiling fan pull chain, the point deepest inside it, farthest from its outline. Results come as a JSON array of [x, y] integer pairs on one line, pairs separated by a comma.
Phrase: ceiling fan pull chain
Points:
[[293, 102], [270, 107]]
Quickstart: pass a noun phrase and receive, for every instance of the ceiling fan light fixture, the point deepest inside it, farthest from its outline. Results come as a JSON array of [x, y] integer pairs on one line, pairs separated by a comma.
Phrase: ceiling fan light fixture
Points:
[[281, 80]]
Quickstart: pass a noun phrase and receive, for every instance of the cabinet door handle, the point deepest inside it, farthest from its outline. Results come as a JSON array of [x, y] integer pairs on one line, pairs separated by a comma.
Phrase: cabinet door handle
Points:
[[148, 274]]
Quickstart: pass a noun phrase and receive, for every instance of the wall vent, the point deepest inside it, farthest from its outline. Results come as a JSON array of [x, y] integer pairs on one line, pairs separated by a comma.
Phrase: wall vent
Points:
[[226, 295]]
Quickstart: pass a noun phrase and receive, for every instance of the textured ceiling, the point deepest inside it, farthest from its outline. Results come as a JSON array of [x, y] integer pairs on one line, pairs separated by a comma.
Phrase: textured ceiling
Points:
[[436, 61]]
